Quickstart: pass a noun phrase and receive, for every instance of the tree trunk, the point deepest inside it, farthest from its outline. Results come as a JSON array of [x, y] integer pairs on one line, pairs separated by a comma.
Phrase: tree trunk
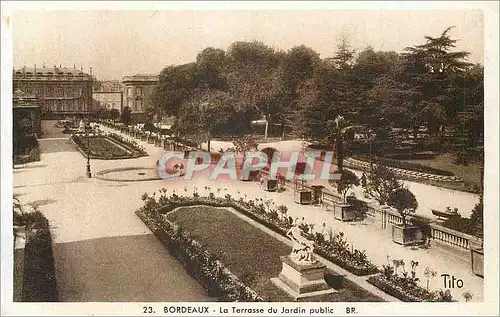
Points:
[[265, 132], [340, 154]]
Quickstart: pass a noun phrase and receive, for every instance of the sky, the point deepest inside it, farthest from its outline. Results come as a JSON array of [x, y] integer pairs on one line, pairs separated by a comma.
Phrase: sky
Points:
[[120, 43]]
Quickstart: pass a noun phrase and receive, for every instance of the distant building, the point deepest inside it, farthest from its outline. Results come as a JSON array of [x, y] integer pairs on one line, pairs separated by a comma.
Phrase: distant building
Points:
[[26, 121], [137, 94], [61, 91], [108, 94]]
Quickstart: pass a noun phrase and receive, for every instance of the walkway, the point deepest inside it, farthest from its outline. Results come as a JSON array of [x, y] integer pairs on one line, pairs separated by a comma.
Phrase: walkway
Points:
[[102, 251]]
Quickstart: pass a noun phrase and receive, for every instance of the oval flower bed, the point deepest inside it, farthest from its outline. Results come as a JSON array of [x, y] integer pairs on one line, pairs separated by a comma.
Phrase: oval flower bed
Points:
[[333, 248]]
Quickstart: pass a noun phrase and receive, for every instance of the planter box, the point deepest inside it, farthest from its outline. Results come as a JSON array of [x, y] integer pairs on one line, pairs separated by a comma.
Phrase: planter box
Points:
[[317, 194], [477, 261], [409, 235], [344, 212], [270, 185], [303, 197]]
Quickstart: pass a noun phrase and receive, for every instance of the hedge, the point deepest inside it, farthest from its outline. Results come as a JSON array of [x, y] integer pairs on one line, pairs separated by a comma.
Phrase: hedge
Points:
[[404, 165], [39, 283]]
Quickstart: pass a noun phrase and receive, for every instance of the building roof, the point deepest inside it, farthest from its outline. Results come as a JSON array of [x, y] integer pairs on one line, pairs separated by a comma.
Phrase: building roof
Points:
[[107, 86], [141, 77], [50, 70]]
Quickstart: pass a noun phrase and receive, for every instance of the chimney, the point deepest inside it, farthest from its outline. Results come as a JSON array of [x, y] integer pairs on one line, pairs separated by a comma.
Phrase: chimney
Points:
[[81, 69]]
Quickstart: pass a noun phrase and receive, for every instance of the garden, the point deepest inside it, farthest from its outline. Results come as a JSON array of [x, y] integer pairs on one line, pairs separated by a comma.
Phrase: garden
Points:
[[107, 147], [233, 241], [219, 230]]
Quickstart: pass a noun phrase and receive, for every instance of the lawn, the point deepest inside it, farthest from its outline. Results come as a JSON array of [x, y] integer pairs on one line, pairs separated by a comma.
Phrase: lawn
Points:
[[250, 253], [470, 174], [101, 147]]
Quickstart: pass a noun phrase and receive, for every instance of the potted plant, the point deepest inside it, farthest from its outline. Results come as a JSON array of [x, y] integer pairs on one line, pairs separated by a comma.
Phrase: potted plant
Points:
[[344, 211], [317, 194], [302, 194], [270, 185], [403, 200]]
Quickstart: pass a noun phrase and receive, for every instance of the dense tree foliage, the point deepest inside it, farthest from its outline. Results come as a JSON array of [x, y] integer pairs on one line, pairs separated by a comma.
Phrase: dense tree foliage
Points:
[[429, 86]]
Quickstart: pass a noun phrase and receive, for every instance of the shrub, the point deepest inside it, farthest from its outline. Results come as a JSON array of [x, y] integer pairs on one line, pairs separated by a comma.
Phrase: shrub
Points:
[[458, 223], [32, 156], [39, 283]]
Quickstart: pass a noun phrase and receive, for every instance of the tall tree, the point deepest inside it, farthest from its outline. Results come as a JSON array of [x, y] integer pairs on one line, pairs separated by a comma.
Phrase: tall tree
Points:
[[176, 84], [126, 115]]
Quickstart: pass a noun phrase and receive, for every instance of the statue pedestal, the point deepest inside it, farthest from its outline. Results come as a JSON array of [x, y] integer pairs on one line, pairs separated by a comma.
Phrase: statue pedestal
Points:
[[302, 280]]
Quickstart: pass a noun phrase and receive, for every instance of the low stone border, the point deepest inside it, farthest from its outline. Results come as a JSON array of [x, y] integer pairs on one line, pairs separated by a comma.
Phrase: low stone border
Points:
[[354, 163], [100, 175]]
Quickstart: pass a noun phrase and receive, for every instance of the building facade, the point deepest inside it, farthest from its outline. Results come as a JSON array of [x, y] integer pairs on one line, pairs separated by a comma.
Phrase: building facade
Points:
[[26, 121], [61, 91], [137, 90], [108, 95], [108, 99]]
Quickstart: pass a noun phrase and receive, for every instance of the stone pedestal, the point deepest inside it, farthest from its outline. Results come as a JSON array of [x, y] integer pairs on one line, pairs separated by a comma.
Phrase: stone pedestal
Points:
[[302, 280]]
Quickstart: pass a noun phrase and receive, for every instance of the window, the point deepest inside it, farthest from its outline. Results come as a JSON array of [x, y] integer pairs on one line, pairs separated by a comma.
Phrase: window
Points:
[[129, 91], [60, 92], [139, 91], [49, 91], [129, 104], [139, 105]]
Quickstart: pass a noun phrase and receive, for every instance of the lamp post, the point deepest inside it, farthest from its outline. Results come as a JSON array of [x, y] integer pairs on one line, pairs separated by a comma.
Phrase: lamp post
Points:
[[87, 128]]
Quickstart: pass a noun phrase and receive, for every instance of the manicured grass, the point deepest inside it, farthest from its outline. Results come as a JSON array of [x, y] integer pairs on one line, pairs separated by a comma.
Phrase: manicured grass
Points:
[[250, 253], [103, 147], [470, 174]]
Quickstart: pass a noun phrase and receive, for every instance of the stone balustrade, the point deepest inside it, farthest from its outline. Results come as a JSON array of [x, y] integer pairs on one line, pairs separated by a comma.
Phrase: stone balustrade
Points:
[[453, 238]]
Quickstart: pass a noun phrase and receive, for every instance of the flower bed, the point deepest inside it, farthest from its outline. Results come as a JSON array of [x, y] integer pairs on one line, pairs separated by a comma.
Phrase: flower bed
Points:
[[404, 286], [131, 144], [333, 248], [104, 147], [398, 289], [217, 280]]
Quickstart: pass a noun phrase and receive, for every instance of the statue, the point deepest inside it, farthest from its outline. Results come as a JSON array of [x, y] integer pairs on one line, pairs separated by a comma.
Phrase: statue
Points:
[[302, 250], [81, 127]]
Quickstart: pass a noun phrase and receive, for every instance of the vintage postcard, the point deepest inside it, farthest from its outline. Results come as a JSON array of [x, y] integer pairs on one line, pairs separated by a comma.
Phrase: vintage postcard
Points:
[[250, 159]]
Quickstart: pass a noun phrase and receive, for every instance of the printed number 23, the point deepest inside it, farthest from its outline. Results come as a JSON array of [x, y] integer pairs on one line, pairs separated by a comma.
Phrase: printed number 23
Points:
[[147, 310]]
